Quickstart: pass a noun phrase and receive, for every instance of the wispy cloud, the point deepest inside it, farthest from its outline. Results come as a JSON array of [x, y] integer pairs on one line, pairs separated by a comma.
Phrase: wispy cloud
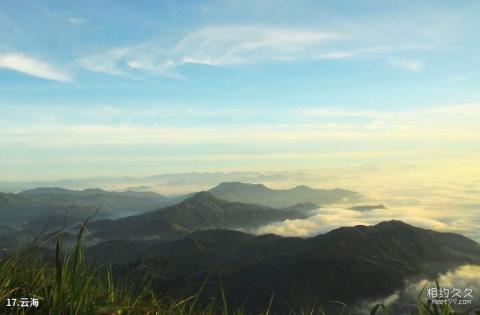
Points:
[[335, 55], [212, 46], [338, 112], [76, 21], [33, 67], [407, 64], [238, 45], [246, 44], [391, 39], [458, 77]]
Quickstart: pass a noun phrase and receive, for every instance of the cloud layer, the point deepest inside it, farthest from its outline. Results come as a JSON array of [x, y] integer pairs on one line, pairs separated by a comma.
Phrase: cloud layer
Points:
[[439, 126], [439, 196]]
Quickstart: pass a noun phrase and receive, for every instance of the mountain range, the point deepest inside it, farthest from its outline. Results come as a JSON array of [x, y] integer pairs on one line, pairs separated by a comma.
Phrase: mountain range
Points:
[[38, 203], [180, 242], [49, 210], [41, 202]]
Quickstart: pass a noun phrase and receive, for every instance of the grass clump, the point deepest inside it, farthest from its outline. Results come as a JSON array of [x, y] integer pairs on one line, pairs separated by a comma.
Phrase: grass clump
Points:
[[69, 285], [66, 285]]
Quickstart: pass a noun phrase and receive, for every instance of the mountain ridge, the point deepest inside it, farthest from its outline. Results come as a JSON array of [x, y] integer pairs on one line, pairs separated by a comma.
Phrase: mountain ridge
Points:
[[279, 198]]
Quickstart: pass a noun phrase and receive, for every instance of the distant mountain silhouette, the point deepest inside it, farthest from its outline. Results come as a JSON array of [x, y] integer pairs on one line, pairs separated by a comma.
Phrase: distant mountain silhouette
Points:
[[345, 264], [368, 207], [199, 212], [36, 203], [279, 198]]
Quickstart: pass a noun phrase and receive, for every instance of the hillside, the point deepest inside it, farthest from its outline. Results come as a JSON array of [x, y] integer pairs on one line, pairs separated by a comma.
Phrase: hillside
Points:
[[346, 264], [201, 212], [279, 198]]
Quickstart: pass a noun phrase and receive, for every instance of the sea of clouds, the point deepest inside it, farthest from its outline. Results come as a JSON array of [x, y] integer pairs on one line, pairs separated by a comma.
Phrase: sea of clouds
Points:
[[402, 301], [443, 198]]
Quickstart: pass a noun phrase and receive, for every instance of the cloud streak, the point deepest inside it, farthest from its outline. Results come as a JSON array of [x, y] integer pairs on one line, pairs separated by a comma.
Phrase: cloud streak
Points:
[[407, 64], [211, 46], [33, 67]]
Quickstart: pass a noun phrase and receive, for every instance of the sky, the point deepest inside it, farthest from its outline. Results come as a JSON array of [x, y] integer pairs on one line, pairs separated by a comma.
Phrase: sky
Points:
[[134, 88]]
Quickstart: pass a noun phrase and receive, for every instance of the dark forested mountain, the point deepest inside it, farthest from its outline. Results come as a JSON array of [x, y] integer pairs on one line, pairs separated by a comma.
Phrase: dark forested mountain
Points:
[[8, 236], [279, 198], [200, 212], [345, 264], [36, 203]]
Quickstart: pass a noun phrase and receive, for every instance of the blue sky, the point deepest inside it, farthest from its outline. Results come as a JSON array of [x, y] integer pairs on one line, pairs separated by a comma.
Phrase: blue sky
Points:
[[96, 88]]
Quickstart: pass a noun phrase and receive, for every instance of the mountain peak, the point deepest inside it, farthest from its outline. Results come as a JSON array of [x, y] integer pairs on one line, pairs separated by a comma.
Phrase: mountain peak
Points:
[[392, 224], [94, 191], [383, 228], [301, 187], [202, 196]]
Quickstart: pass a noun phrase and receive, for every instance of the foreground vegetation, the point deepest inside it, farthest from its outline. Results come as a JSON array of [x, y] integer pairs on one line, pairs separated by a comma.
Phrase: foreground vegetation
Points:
[[68, 285]]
